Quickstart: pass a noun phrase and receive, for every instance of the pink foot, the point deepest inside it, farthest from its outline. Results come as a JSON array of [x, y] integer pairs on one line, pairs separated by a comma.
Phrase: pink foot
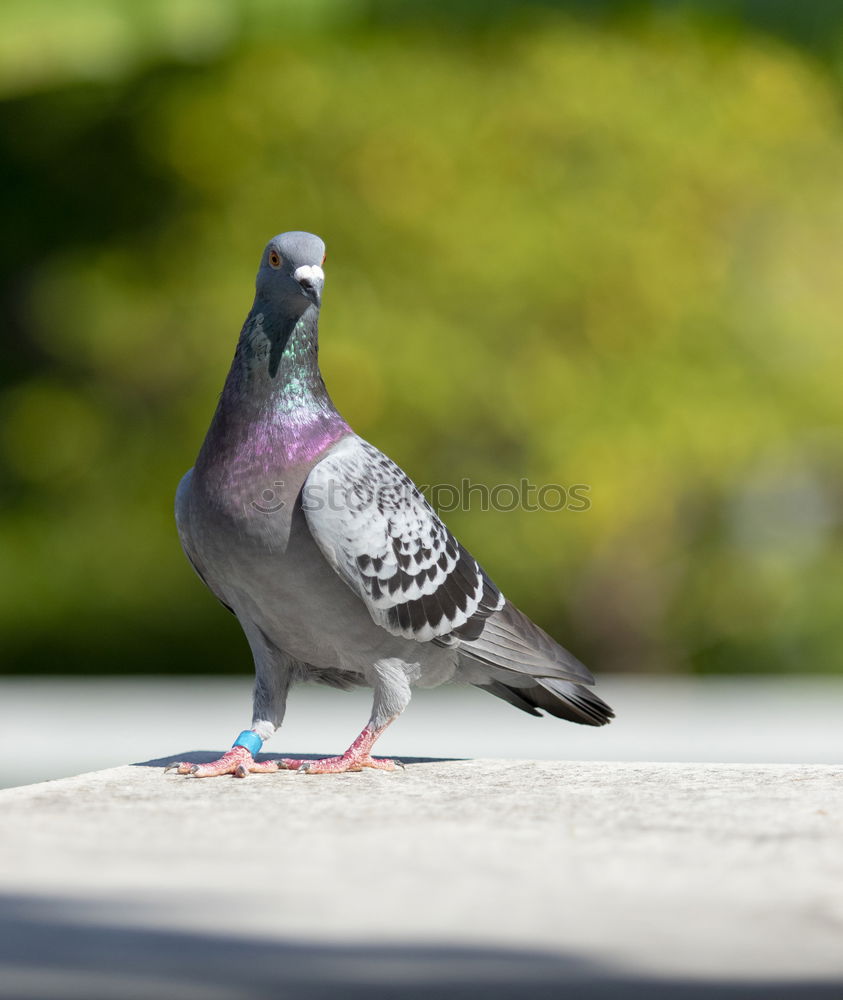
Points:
[[355, 758], [237, 761], [338, 765]]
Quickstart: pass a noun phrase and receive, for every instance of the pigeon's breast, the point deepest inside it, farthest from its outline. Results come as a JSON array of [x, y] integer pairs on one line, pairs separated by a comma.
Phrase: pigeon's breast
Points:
[[241, 511], [244, 530], [260, 559]]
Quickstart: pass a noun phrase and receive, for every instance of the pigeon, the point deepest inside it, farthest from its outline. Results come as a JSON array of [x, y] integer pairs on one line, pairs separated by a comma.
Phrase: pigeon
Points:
[[333, 561]]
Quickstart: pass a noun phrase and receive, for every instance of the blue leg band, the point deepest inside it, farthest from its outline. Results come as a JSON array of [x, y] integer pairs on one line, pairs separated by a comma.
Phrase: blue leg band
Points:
[[250, 740]]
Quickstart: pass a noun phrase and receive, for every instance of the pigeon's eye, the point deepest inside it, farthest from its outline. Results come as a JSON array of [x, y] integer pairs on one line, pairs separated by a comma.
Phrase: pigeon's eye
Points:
[[274, 259], [324, 258]]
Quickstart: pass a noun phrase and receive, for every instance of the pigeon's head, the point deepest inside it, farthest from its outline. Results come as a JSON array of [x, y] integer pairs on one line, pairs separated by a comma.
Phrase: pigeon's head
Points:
[[291, 276]]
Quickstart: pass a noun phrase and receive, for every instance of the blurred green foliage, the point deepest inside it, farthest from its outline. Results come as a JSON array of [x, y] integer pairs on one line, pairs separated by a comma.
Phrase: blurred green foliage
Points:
[[576, 243]]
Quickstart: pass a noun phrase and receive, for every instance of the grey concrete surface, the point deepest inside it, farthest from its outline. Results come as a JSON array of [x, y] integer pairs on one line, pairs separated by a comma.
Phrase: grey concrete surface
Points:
[[51, 727], [454, 879]]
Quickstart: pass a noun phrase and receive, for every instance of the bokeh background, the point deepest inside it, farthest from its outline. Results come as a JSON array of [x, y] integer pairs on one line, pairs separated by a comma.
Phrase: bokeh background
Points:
[[594, 243]]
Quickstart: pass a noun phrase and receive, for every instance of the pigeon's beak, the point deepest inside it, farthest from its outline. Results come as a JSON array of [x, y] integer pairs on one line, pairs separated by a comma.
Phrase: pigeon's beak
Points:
[[310, 277]]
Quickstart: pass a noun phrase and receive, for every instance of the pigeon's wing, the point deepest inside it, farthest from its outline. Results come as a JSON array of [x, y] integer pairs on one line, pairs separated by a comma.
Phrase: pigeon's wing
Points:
[[383, 538]]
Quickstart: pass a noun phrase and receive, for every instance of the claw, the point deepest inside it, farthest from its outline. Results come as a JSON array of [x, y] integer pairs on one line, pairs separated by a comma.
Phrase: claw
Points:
[[182, 767]]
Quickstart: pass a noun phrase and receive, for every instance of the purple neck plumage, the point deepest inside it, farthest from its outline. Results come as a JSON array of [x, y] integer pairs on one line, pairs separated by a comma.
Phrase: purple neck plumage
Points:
[[274, 411]]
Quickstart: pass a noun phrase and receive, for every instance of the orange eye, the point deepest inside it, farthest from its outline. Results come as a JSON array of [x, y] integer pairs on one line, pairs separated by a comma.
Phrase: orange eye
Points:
[[274, 259], [324, 258]]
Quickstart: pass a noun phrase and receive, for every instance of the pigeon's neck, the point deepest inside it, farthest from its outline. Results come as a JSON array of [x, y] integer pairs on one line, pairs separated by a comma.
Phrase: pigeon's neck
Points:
[[274, 402]]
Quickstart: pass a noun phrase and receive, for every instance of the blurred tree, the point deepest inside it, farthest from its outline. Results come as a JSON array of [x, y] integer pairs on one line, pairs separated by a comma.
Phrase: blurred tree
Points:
[[597, 249]]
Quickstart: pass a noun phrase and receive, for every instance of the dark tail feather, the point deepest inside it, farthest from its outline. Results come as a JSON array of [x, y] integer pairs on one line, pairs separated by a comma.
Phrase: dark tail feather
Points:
[[560, 698], [512, 695]]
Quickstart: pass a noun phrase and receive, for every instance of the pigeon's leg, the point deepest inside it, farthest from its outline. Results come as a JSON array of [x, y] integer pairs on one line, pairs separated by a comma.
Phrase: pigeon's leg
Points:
[[355, 758], [392, 695], [269, 701]]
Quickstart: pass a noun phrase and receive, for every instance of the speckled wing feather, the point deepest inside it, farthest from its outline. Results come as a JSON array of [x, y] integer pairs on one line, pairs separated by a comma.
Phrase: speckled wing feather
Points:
[[384, 539]]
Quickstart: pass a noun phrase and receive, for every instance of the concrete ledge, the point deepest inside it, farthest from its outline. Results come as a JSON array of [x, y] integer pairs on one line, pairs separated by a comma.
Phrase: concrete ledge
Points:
[[87, 724], [460, 877]]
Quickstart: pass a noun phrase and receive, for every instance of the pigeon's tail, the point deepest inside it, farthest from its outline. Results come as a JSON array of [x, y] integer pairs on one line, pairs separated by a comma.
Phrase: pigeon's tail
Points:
[[560, 698], [510, 640], [557, 682]]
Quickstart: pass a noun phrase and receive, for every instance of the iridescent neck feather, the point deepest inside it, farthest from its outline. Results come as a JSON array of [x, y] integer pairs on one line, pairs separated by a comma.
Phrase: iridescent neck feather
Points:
[[274, 409]]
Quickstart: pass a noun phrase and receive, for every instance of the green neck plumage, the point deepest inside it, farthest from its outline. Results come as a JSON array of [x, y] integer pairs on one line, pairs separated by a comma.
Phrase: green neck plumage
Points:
[[275, 390], [278, 361]]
